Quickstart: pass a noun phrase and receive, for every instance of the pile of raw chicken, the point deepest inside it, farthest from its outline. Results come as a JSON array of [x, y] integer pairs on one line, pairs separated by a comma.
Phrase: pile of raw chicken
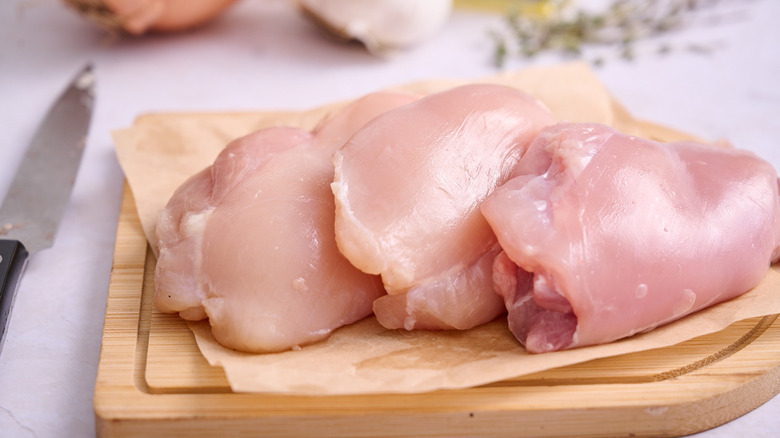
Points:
[[447, 211]]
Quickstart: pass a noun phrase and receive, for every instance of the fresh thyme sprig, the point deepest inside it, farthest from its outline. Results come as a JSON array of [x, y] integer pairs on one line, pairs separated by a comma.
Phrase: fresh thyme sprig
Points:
[[536, 26]]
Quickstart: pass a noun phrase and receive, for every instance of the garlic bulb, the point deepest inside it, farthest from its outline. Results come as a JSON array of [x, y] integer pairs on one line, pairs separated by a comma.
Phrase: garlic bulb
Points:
[[381, 25], [140, 16]]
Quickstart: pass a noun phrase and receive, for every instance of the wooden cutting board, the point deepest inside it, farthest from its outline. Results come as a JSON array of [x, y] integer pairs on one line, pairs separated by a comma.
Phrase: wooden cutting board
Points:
[[153, 381]]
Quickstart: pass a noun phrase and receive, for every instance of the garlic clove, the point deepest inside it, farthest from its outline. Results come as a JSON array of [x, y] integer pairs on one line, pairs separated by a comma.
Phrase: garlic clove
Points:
[[138, 17], [381, 25]]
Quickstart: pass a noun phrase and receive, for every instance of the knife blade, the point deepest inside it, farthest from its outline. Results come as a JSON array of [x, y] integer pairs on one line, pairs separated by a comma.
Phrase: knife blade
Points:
[[40, 191]]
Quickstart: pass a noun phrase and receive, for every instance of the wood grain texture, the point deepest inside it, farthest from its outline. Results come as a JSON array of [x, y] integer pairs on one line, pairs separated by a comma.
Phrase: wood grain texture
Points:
[[152, 381]]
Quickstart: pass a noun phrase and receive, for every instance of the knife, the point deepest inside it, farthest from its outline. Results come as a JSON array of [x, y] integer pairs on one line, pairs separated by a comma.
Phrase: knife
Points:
[[40, 191]]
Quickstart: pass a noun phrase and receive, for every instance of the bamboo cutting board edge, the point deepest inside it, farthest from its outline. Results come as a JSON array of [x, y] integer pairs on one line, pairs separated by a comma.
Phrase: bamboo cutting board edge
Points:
[[124, 405]]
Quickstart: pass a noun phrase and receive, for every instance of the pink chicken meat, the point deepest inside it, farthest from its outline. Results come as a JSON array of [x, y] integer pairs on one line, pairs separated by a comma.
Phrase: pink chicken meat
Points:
[[408, 186], [249, 242], [605, 235]]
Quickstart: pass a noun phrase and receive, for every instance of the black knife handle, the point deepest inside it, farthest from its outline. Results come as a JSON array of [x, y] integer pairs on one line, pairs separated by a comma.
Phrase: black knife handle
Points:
[[13, 259]]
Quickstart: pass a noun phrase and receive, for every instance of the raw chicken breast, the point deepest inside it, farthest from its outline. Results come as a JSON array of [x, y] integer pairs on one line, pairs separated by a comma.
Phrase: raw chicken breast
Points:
[[249, 242], [463, 300], [607, 235], [408, 186]]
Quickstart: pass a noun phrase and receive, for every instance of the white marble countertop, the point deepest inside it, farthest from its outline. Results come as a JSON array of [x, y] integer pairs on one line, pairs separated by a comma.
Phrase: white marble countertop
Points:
[[261, 55]]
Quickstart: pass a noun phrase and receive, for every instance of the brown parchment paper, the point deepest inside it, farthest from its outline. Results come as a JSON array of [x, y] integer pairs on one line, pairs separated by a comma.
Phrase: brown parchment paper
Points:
[[160, 151]]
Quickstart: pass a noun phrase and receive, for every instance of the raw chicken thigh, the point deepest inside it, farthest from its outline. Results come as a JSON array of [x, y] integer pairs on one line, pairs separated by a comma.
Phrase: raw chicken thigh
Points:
[[249, 242], [408, 186], [607, 235]]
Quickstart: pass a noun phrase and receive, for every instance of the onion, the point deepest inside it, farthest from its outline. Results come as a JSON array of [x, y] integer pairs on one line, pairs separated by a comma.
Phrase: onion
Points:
[[381, 25], [140, 16]]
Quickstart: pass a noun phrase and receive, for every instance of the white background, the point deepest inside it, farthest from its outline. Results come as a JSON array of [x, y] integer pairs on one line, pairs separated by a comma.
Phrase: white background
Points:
[[262, 55]]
